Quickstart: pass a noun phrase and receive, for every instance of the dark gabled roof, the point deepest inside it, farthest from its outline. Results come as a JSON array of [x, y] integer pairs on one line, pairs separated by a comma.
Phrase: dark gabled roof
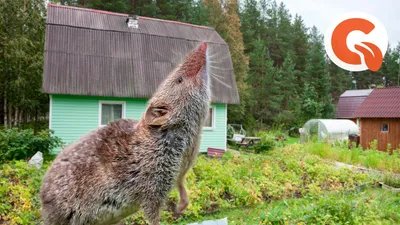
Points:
[[381, 103], [349, 102], [95, 53]]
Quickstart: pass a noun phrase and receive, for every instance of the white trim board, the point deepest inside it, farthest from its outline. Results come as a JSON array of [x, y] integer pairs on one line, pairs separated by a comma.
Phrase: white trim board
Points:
[[50, 111], [123, 103], [213, 122], [226, 125]]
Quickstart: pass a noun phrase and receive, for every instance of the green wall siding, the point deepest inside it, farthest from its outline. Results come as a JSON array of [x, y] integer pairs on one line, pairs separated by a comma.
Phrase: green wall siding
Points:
[[74, 116]]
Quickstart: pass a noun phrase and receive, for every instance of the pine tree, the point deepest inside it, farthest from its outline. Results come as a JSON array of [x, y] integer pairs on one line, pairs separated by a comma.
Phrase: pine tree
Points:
[[22, 29], [199, 14], [340, 80], [284, 30], [121, 6], [225, 19], [289, 85], [272, 36], [311, 107], [289, 88], [265, 85], [251, 24], [317, 72], [300, 48]]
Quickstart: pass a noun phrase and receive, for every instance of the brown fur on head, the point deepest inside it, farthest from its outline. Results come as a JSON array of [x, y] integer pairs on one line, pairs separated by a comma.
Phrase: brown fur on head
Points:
[[187, 87]]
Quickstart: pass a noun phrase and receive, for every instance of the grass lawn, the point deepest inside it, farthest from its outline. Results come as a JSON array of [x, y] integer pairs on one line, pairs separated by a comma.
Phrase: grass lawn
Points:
[[369, 206], [292, 140]]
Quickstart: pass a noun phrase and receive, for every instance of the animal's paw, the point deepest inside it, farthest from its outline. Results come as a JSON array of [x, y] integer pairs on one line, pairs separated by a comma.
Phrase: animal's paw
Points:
[[176, 214]]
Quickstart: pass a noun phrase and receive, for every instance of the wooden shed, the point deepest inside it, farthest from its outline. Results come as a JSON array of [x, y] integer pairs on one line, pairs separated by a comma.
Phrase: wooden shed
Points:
[[379, 118], [349, 102]]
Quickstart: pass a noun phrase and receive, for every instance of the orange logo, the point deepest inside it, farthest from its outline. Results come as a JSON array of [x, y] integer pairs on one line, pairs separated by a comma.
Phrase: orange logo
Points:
[[357, 42]]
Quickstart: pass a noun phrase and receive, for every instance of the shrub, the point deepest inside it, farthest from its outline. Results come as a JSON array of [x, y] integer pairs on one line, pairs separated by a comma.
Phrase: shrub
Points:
[[374, 144], [267, 142], [21, 144], [391, 180], [19, 193]]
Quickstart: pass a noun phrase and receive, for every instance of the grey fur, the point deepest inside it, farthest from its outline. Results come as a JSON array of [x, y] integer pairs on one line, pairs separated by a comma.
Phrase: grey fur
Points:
[[127, 165]]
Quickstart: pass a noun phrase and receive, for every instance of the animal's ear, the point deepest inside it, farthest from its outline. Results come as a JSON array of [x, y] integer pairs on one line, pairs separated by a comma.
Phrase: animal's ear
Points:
[[156, 116]]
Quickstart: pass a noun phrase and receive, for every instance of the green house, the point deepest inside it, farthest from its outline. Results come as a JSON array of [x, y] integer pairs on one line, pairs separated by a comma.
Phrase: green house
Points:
[[102, 66]]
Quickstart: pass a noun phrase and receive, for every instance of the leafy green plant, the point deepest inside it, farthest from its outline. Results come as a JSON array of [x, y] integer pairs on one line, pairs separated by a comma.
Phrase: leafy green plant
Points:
[[21, 144], [374, 144], [267, 142], [391, 180], [373, 159], [19, 193]]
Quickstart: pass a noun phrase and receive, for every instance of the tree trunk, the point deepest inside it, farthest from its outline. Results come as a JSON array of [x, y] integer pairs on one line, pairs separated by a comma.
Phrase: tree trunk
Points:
[[16, 113], [81, 2], [133, 6], [5, 110], [20, 122], [9, 116], [35, 126]]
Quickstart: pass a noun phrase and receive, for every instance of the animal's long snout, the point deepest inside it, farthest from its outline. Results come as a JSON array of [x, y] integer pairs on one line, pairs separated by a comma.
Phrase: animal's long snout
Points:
[[196, 60], [203, 48]]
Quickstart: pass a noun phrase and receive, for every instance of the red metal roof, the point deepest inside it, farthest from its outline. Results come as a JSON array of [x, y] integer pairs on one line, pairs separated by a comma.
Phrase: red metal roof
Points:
[[381, 103], [349, 102]]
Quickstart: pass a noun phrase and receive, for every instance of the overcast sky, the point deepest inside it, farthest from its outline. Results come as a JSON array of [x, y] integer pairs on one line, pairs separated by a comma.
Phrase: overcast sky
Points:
[[321, 13]]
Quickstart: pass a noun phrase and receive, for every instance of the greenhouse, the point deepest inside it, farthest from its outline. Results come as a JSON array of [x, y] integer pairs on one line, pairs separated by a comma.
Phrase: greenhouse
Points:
[[328, 130]]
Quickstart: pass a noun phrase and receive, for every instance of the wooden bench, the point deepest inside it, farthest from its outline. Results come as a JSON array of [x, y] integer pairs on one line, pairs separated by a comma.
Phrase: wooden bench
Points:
[[249, 141]]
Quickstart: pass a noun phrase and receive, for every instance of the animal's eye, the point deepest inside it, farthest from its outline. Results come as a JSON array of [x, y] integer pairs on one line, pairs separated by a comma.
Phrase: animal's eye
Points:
[[180, 79]]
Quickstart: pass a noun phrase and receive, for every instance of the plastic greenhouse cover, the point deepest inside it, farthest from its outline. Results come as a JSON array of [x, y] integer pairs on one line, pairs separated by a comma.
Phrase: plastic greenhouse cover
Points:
[[334, 126]]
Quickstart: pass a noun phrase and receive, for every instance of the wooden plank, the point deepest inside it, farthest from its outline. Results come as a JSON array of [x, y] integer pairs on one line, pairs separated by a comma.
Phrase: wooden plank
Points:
[[215, 153], [370, 129]]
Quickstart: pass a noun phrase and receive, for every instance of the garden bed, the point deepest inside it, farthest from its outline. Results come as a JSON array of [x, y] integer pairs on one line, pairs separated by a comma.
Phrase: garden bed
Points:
[[214, 185]]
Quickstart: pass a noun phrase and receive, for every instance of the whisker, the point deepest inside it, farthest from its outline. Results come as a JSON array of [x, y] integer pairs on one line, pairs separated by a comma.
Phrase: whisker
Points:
[[211, 37], [178, 54], [219, 60], [219, 76], [215, 55], [222, 83], [217, 68]]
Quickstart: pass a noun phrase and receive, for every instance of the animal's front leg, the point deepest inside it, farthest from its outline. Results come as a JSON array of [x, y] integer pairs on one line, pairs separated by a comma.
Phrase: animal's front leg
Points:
[[184, 201], [189, 160], [151, 210]]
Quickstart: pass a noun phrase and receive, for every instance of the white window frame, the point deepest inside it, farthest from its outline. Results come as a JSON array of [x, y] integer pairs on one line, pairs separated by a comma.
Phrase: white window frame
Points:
[[387, 127], [123, 103], [213, 119]]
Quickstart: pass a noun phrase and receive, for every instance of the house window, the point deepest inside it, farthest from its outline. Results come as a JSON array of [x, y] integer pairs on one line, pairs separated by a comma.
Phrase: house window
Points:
[[110, 111], [385, 127], [209, 123]]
